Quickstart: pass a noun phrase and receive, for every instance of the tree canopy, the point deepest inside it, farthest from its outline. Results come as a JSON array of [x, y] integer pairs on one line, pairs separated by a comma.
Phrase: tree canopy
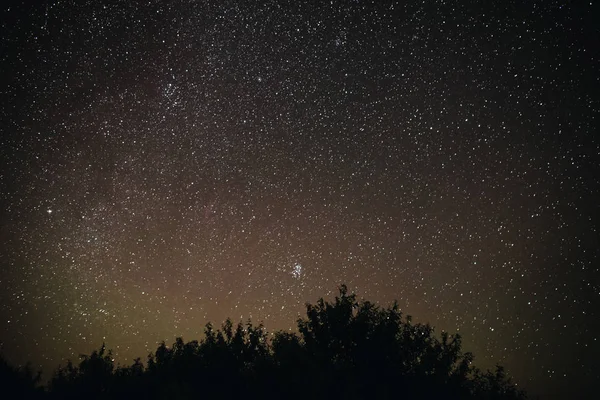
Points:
[[343, 349]]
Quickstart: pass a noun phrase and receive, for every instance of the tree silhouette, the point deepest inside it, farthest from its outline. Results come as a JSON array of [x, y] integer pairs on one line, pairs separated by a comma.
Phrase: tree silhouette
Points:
[[92, 379], [20, 382], [345, 348]]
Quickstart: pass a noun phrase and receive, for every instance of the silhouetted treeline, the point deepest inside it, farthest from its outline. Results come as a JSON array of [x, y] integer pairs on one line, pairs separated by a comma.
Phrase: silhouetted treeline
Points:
[[345, 349]]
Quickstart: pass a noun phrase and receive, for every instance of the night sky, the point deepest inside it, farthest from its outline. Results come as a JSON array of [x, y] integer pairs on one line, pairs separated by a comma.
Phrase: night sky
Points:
[[165, 164]]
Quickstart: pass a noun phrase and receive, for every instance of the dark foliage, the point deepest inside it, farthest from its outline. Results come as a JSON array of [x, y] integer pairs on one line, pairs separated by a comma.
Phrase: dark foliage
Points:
[[344, 349], [21, 382]]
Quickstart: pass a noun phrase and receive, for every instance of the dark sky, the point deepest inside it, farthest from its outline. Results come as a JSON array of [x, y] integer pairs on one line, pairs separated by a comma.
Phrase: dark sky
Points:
[[164, 164]]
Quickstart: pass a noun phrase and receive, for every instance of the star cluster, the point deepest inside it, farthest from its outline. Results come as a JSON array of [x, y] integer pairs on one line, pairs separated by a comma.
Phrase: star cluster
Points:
[[166, 164]]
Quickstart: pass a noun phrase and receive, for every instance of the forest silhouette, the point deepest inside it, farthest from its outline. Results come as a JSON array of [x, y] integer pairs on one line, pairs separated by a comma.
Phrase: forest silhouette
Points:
[[343, 349]]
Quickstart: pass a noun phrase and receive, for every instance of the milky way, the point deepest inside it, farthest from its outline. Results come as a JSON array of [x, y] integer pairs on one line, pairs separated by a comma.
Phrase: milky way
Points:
[[166, 164]]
